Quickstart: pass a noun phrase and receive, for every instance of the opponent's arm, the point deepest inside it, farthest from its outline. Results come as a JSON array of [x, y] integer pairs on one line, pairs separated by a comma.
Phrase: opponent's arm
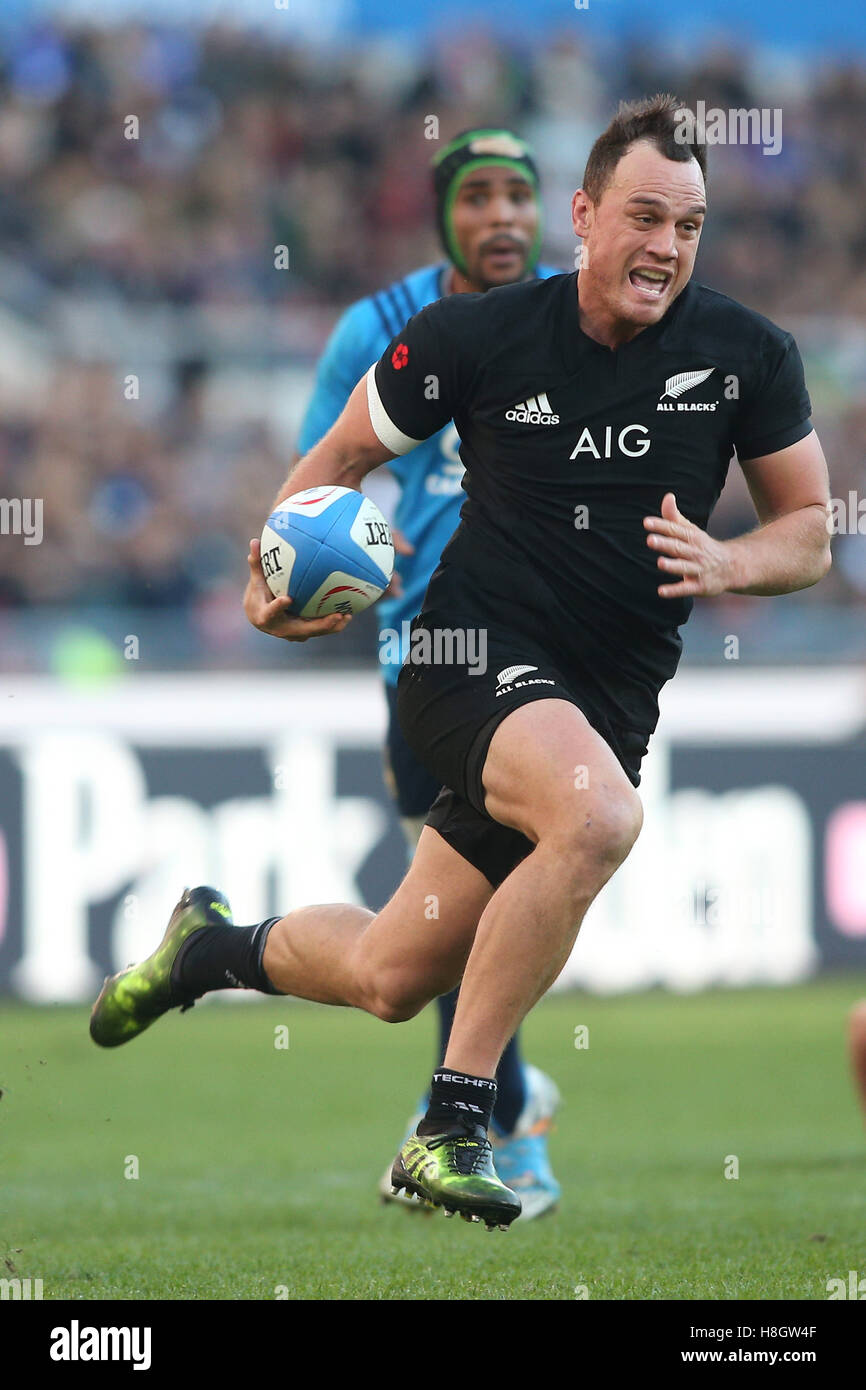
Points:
[[349, 451], [348, 352], [390, 411], [790, 550], [345, 455]]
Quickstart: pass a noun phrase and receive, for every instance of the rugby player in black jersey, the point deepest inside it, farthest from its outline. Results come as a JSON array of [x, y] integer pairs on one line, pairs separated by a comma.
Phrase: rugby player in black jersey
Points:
[[598, 413]]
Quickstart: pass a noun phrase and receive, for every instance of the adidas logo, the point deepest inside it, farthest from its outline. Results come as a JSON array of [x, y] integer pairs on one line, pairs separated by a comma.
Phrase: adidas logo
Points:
[[536, 410], [512, 672]]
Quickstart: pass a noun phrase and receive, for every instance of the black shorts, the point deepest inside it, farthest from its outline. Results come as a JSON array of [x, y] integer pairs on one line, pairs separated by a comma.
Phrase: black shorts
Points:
[[449, 713], [491, 848], [413, 788]]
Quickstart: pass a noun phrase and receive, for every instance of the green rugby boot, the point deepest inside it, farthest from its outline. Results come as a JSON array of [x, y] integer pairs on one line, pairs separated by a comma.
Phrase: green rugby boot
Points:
[[455, 1170], [130, 1001]]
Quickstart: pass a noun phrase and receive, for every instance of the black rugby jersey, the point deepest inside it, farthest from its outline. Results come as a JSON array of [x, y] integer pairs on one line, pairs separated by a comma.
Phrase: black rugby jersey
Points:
[[568, 445]]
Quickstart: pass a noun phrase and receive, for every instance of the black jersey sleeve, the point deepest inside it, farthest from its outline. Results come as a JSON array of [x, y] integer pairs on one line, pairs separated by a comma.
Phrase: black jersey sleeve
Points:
[[425, 373], [777, 410]]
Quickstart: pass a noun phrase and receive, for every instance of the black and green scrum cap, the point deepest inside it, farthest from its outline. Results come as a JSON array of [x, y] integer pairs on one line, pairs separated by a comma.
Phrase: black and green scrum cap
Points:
[[474, 149]]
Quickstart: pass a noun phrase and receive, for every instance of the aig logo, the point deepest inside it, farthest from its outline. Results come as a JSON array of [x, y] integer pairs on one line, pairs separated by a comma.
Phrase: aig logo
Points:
[[632, 440]]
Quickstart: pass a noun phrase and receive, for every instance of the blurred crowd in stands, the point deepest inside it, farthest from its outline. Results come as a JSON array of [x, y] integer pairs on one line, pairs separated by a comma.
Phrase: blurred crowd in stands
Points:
[[153, 257]]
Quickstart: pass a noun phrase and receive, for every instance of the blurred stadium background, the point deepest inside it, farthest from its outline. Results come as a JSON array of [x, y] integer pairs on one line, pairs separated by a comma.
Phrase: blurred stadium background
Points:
[[148, 736]]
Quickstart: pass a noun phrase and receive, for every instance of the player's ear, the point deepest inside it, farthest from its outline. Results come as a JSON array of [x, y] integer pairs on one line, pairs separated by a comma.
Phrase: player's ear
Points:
[[581, 213]]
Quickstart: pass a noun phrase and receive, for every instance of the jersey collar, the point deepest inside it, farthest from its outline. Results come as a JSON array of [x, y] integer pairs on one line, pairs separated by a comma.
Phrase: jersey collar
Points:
[[576, 344]]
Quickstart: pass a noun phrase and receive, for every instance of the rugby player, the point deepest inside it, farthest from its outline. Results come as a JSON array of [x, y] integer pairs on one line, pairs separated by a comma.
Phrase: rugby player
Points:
[[581, 546], [489, 223]]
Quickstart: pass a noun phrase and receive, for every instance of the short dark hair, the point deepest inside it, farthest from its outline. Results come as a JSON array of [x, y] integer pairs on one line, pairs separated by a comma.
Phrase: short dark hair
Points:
[[653, 119]]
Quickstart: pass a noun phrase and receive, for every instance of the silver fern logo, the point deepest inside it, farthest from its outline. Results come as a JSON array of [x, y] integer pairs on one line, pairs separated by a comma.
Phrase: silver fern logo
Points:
[[685, 381], [512, 672], [676, 386]]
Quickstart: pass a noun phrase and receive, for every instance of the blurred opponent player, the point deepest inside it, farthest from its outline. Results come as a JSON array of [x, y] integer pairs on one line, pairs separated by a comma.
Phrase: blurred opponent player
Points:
[[485, 184]]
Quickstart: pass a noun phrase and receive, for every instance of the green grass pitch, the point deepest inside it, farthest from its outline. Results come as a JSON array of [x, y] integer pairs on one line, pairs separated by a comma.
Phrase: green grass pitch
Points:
[[257, 1164]]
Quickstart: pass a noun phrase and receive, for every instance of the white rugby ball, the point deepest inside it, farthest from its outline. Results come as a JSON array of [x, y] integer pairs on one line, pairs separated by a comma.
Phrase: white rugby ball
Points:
[[330, 549]]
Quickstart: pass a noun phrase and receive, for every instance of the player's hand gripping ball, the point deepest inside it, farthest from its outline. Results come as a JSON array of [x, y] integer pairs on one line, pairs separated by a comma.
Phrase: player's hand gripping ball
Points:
[[329, 549]]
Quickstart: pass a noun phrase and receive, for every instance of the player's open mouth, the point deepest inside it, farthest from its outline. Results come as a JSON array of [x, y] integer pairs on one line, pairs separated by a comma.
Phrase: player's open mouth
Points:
[[649, 282], [502, 251]]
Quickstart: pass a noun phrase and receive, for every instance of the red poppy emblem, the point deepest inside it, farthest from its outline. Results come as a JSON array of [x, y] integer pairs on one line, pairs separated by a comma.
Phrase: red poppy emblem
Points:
[[400, 356]]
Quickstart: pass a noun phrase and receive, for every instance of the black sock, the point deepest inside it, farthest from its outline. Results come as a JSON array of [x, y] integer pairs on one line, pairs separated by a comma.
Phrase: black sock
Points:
[[510, 1084], [458, 1098], [510, 1088], [223, 957]]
